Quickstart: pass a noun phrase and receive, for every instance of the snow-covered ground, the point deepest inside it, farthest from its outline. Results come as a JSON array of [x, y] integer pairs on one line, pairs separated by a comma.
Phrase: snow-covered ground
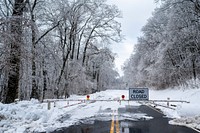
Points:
[[187, 114], [32, 116]]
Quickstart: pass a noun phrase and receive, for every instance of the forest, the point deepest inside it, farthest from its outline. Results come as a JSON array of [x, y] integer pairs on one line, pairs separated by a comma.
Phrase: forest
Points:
[[168, 53], [55, 48]]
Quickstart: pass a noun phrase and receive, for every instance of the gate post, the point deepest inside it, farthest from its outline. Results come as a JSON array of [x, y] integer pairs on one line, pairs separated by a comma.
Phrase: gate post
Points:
[[168, 101]]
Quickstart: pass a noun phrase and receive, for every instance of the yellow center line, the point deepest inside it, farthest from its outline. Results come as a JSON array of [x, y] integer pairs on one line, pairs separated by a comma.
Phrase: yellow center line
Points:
[[112, 128], [112, 124], [117, 124]]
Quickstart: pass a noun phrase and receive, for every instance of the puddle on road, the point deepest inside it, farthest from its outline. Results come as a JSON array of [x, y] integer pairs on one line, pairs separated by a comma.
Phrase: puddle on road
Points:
[[157, 124], [128, 126], [152, 126], [96, 127]]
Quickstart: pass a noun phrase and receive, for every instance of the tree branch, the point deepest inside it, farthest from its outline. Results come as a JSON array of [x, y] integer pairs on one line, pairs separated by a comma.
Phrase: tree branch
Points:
[[47, 32]]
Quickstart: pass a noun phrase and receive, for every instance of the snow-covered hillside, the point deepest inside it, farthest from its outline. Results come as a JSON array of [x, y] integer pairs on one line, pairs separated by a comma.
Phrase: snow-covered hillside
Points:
[[29, 116]]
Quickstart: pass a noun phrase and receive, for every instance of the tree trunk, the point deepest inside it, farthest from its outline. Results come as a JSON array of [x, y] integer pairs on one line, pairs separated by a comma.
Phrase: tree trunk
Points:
[[194, 68], [98, 81], [86, 45], [74, 39], [65, 56], [44, 80], [79, 44], [15, 52], [34, 93]]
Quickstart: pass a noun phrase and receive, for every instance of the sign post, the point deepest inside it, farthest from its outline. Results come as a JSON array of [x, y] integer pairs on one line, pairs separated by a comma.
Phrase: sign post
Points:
[[139, 94]]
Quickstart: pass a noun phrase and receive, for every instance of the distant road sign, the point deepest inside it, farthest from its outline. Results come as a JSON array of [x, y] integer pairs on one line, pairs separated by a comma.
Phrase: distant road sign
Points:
[[138, 94]]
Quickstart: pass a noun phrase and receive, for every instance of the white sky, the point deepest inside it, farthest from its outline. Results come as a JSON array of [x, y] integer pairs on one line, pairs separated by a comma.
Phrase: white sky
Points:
[[135, 14]]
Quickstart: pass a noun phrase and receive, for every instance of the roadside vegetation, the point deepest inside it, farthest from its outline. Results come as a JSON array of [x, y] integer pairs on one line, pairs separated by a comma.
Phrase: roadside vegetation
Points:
[[168, 52], [50, 49]]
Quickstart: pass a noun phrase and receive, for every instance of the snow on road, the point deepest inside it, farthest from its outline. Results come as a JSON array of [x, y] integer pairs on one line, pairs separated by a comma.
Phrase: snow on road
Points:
[[33, 116]]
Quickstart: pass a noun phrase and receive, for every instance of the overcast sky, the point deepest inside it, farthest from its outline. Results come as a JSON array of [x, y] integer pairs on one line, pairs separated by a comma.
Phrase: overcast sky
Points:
[[135, 14]]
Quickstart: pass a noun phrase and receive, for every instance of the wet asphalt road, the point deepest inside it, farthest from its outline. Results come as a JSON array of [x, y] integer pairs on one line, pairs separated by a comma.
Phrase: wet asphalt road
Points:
[[159, 124]]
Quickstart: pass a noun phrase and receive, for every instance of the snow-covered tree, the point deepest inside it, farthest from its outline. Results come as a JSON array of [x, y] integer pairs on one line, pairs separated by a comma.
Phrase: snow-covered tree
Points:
[[57, 43], [167, 54]]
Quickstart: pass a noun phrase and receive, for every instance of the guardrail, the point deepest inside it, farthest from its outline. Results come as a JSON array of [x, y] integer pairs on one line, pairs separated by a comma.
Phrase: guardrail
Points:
[[118, 100], [115, 100], [155, 103]]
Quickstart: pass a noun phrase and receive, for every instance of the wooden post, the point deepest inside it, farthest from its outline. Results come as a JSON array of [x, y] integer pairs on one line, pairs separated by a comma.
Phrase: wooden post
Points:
[[48, 105], [54, 103], [168, 101]]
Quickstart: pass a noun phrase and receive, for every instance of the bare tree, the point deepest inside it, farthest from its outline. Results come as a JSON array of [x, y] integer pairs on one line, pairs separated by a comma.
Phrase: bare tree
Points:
[[15, 51]]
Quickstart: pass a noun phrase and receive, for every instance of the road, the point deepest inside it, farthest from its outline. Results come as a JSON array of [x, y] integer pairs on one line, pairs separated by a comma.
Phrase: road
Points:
[[158, 124]]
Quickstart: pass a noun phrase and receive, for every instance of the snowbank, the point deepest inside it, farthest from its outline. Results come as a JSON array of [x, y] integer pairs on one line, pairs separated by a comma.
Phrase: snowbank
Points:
[[33, 116], [186, 114]]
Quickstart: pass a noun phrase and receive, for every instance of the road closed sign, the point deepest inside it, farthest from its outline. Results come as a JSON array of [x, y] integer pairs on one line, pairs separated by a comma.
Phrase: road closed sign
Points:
[[138, 94]]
